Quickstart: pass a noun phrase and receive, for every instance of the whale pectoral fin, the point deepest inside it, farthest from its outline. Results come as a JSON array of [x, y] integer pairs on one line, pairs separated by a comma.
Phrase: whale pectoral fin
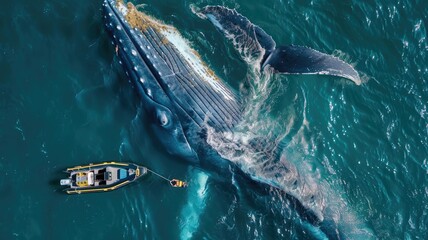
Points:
[[303, 60], [250, 40]]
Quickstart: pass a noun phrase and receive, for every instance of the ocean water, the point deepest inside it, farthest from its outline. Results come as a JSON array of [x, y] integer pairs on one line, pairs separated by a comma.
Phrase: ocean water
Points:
[[65, 101]]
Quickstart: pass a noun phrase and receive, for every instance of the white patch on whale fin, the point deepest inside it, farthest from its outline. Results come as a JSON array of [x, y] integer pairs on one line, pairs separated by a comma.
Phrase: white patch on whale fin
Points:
[[215, 22]]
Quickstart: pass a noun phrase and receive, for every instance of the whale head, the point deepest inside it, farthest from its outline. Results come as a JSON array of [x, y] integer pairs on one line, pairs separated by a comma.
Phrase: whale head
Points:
[[147, 75], [178, 90]]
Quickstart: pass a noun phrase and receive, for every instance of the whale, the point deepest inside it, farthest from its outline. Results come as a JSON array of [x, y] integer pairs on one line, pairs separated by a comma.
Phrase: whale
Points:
[[188, 106]]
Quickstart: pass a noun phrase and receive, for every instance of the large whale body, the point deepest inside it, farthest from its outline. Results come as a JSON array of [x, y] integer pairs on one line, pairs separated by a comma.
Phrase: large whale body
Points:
[[185, 101]]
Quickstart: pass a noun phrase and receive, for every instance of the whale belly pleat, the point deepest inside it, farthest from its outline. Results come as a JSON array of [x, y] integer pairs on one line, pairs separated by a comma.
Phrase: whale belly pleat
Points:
[[205, 101], [169, 76], [174, 54], [183, 69], [190, 96], [160, 60]]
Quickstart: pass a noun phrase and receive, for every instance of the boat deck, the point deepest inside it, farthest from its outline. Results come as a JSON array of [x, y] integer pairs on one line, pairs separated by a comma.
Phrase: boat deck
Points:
[[105, 176]]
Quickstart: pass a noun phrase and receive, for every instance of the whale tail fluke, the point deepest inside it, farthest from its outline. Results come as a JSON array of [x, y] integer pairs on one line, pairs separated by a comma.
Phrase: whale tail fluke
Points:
[[256, 46], [303, 60]]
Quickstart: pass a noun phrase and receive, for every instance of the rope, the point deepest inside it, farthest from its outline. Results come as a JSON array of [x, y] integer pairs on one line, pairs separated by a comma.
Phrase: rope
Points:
[[169, 180]]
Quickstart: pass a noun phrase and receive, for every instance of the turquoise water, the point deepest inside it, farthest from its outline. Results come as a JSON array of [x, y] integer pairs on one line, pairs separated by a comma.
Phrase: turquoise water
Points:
[[64, 101]]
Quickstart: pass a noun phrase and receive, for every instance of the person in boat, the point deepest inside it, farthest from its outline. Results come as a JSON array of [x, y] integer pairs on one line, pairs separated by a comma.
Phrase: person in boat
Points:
[[177, 183]]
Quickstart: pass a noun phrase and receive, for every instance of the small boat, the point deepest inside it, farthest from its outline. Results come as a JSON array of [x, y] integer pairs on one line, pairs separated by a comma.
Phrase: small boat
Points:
[[101, 177]]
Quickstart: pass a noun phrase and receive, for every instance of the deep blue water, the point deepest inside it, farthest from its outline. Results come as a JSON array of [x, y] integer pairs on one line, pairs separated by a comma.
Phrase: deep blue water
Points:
[[65, 101]]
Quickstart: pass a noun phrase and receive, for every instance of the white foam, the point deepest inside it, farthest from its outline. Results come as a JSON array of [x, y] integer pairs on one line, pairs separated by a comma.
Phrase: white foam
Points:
[[190, 214]]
